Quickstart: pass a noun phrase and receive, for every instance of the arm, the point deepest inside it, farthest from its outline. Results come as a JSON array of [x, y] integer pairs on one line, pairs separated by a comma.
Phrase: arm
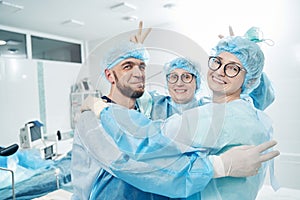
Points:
[[237, 117], [238, 162], [193, 170], [212, 126]]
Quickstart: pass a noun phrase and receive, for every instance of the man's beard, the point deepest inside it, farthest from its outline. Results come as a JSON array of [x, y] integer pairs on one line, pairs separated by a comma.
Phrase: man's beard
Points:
[[128, 91]]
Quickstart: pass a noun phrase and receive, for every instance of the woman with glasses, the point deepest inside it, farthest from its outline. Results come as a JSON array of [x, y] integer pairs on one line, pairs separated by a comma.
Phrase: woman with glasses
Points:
[[235, 70], [183, 83]]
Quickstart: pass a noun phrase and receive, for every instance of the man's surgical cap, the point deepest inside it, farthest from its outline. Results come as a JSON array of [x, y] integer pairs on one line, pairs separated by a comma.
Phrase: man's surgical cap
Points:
[[123, 52], [185, 64], [249, 54]]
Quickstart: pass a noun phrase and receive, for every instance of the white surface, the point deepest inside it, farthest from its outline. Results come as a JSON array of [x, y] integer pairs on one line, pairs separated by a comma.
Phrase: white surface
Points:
[[267, 193], [58, 77], [56, 195], [64, 146], [18, 97]]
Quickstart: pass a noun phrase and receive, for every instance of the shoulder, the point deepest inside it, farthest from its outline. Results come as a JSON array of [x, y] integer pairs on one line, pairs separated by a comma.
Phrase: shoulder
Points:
[[158, 97]]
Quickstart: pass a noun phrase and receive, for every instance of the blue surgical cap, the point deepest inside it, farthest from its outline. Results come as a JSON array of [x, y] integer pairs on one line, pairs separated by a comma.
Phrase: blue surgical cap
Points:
[[249, 54], [185, 64], [124, 51], [263, 95]]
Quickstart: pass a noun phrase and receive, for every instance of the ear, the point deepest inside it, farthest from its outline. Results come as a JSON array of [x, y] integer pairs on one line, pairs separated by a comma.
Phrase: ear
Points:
[[109, 76]]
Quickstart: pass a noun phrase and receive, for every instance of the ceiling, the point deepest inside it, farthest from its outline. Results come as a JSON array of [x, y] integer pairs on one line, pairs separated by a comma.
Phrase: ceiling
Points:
[[94, 20], [83, 20]]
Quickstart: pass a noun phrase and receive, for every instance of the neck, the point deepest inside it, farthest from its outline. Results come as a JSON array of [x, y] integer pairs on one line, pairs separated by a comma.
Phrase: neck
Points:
[[122, 100], [180, 107], [223, 98]]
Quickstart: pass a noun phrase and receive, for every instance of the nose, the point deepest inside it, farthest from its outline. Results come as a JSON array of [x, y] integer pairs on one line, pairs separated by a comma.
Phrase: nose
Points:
[[137, 72], [179, 82], [221, 70]]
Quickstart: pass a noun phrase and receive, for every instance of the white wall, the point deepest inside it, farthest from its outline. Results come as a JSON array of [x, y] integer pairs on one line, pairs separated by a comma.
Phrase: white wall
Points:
[[279, 21], [283, 67], [59, 77], [19, 101], [23, 98]]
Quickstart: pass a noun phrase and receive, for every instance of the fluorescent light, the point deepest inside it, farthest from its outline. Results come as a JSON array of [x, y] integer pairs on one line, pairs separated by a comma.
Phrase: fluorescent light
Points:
[[10, 7], [2, 42], [130, 18], [169, 5], [13, 42], [123, 7], [73, 23]]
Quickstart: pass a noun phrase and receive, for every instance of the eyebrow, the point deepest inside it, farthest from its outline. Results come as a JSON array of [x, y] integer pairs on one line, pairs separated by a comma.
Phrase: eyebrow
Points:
[[131, 62], [230, 62]]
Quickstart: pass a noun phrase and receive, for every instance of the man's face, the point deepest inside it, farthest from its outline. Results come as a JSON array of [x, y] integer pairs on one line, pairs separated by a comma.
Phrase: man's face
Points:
[[182, 92], [129, 77]]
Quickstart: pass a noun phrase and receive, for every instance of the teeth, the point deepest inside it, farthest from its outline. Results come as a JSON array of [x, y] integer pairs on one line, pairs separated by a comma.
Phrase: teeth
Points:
[[180, 91]]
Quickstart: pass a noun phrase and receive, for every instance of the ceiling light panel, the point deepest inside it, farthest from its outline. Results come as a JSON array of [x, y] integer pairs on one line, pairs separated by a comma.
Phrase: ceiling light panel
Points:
[[8, 7], [123, 7], [130, 18], [73, 23]]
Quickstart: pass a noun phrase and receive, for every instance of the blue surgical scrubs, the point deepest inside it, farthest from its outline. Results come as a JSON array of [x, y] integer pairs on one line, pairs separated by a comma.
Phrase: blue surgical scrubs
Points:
[[213, 127], [97, 162]]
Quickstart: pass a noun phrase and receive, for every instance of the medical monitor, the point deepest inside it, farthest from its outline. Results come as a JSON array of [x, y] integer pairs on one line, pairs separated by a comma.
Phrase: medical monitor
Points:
[[31, 135], [35, 133]]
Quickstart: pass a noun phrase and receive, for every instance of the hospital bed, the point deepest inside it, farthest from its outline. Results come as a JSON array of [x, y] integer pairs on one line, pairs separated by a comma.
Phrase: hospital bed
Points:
[[54, 182], [34, 183]]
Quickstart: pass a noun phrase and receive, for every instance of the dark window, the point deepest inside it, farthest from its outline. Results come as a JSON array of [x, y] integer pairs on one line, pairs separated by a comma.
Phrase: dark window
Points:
[[48, 49], [12, 44]]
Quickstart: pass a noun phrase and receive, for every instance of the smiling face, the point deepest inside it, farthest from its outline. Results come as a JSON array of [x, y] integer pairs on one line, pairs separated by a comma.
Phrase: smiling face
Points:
[[128, 78], [180, 91], [224, 88]]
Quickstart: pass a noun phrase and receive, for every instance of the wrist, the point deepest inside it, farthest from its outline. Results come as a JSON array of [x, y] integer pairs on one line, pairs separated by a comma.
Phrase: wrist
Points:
[[218, 165]]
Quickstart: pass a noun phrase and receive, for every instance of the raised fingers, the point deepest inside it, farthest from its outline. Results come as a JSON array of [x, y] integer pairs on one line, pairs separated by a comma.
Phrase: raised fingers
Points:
[[146, 34], [265, 146], [269, 155]]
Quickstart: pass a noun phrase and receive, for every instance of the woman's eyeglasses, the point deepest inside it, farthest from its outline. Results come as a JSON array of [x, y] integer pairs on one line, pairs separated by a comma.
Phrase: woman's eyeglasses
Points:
[[230, 69], [186, 77]]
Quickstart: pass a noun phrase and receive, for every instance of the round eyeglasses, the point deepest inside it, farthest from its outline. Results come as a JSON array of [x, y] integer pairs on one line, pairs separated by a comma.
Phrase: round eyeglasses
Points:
[[230, 69], [186, 77]]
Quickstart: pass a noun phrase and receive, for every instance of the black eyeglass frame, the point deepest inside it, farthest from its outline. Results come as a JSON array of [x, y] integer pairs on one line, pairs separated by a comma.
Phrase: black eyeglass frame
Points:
[[168, 77], [225, 66]]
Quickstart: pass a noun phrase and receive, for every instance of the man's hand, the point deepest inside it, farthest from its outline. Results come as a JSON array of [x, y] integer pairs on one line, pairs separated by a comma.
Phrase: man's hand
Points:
[[243, 161], [139, 38], [94, 104]]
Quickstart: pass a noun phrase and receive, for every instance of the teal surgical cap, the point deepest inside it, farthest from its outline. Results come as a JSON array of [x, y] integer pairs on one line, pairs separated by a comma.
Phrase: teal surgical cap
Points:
[[185, 64], [249, 54], [124, 51]]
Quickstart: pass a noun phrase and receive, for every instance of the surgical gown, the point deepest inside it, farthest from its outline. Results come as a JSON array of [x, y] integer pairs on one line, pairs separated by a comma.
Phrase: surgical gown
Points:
[[214, 127], [97, 160]]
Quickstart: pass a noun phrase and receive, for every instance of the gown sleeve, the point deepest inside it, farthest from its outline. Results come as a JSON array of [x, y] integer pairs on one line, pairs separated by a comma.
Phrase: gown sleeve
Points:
[[157, 172], [212, 128]]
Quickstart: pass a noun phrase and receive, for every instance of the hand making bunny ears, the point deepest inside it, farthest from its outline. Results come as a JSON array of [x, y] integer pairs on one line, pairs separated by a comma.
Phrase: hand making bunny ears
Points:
[[230, 33], [140, 37]]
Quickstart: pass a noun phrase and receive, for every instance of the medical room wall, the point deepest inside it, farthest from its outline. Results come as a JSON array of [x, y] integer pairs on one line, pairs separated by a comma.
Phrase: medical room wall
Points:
[[278, 21], [35, 90]]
